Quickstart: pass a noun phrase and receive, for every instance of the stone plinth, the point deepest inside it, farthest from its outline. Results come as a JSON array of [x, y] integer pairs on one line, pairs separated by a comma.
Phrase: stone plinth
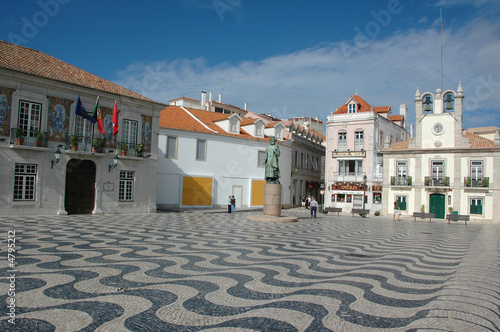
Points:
[[272, 199], [272, 206]]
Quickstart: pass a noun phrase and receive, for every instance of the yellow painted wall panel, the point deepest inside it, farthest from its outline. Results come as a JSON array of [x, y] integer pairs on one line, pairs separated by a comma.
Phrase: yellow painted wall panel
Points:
[[258, 192], [196, 191]]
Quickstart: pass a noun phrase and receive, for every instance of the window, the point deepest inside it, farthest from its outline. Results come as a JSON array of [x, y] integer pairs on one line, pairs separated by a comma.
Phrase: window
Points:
[[29, 117], [381, 139], [24, 182], [352, 108], [302, 159], [295, 160], [401, 169], [352, 167], [129, 132], [171, 147], [358, 140], [261, 158], [377, 198], [233, 126], [342, 140], [259, 130], [83, 128], [313, 164], [279, 134], [341, 198], [307, 161], [476, 206], [219, 110], [201, 145], [126, 190], [476, 169], [437, 169]]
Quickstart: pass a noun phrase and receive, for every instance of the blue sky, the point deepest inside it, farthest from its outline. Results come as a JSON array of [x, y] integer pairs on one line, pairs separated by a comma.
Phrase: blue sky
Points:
[[289, 58]]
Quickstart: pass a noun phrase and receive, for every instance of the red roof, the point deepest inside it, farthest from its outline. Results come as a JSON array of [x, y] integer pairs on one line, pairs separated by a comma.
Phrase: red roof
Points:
[[177, 117], [363, 106], [36, 63], [396, 117]]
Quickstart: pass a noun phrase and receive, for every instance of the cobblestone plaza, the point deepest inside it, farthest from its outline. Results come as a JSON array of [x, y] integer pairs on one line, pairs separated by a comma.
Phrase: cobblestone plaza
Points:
[[221, 272]]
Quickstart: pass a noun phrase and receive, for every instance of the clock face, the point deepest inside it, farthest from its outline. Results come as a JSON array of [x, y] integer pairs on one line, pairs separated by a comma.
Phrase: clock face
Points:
[[438, 128]]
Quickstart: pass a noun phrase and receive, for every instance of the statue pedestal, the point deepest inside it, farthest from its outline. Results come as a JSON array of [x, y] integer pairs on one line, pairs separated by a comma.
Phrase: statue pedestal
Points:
[[272, 206], [272, 199]]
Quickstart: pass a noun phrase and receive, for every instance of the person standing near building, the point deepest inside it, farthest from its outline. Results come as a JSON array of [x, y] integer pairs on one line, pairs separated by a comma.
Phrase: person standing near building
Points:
[[233, 205], [229, 204], [314, 207], [397, 210]]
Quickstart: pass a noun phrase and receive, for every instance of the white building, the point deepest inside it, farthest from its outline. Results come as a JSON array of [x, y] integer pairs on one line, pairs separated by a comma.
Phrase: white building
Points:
[[38, 94], [206, 156], [443, 168], [356, 133]]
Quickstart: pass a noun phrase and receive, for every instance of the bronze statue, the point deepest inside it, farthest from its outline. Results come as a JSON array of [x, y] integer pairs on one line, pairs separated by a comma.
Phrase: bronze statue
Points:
[[271, 162]]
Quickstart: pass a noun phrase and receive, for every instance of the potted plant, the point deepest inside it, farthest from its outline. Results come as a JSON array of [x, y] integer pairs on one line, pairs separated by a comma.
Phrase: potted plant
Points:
[[409, 180], [138, 150], [124, 148], [20, 135], [40, 137], [486, 182], [450, 210], [468, 181], [377, 213], [96, 144], [74, 141]]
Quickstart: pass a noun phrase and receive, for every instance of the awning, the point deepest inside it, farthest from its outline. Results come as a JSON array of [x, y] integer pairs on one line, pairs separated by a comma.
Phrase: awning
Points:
[[312, 184]]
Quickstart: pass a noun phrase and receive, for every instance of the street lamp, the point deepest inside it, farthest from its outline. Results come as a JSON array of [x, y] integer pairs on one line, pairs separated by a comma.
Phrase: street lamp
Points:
[[115, 163], [322, 192], [364, 192], [58, 157]]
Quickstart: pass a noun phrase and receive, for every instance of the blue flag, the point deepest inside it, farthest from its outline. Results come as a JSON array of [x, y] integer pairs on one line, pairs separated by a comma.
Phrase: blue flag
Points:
[[81, 111]]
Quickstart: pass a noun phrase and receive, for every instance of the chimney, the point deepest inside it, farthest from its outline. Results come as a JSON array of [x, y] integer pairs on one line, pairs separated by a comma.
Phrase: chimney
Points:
[[211, 96], [220, 97], [412, 130], [497, 137], [245, 106], [203, 100], [403, 110]]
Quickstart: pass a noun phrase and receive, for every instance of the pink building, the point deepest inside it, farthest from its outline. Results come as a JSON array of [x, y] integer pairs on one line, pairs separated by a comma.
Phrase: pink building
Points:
[[355, 134]]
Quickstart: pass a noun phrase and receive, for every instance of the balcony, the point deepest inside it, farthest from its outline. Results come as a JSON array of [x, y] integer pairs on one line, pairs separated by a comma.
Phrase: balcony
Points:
[[348, 177], [482, 182], [401, 181], [441, 182], [342, 146], [359, 145], [84, 143], [21, 136]]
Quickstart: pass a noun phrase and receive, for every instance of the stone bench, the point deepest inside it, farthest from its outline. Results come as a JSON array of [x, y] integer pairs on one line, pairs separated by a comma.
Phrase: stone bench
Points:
[[360, 211], [423, 215], [457, 217], [332, 209]]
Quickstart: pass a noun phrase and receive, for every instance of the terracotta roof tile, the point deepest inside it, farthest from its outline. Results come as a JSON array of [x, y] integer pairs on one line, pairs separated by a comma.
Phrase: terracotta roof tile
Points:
[[36, 63], [176, 117], [396, 117], [363, 106]]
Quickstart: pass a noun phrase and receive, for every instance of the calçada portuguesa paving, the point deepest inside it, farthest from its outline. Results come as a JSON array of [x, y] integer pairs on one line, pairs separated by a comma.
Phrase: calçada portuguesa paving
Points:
[[220, 272]]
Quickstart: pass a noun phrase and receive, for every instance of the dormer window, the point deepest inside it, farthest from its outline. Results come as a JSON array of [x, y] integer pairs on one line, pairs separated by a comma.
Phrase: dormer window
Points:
[[279, 134], [352, 108], [259, 130], [233, 126]]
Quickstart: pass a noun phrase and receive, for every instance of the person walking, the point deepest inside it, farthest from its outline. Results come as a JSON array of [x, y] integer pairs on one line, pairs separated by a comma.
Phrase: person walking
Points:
[[229, 204], [308, 202], [397, 211], [314, 207], [233, 205], [304, 202]]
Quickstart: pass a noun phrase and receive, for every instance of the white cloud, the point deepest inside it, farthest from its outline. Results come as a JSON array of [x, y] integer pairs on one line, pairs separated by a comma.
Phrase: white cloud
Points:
[[476, 3], [316, 81]]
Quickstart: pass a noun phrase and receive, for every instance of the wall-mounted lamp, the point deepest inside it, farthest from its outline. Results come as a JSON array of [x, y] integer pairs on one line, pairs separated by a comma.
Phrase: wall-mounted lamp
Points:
[[115, 163], [58, 157]]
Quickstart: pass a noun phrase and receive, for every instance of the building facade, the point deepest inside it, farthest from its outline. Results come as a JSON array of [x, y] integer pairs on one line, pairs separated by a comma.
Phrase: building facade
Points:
[[206, 156], [355, 134], [443, 169], [40, 171]]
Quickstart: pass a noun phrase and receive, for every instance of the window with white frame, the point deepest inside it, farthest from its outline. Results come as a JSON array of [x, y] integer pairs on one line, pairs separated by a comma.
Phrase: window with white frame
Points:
[[24, 182], [171, 150], [29, 117], [342, 141], [233, 126], [279, 134], [437, 169], [129, 131], [201, 149], [259, 130], [350, 167], [401, 169], [83, 128], [352, 108], [359, 139], [126, 187], [261, 158], [476, 169]]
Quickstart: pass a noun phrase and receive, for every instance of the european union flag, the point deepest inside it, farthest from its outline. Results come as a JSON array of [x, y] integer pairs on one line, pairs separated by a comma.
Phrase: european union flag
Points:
[[81, 111]]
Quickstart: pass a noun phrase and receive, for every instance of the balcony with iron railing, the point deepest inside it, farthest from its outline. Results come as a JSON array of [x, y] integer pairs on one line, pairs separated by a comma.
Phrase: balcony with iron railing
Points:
[[480, 182], [348, 177], [359, 144], [401, 180], [21, 136], [342, 146], [437, 182]]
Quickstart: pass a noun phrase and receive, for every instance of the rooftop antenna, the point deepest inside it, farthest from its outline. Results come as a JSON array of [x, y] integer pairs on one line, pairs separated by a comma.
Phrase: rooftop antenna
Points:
[[442, 51]]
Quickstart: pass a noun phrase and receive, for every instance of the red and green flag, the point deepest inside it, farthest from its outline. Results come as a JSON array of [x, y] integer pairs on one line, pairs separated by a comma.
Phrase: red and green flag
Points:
[[97, 116]]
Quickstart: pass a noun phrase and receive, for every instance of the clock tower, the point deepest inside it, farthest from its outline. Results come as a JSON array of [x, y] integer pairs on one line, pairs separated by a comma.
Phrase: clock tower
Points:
[[439, 119]]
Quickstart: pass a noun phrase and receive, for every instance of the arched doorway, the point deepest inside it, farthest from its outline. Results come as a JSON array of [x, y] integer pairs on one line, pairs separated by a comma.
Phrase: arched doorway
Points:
[[80, 186], [437, 205]]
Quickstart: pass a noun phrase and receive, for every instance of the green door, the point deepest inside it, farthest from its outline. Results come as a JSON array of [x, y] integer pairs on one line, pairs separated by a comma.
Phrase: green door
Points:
[[437, 205], [402, 203], [476, 206]]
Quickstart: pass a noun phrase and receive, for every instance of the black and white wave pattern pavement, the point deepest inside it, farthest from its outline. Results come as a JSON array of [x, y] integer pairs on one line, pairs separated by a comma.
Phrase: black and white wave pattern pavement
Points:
[[219, 272]]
